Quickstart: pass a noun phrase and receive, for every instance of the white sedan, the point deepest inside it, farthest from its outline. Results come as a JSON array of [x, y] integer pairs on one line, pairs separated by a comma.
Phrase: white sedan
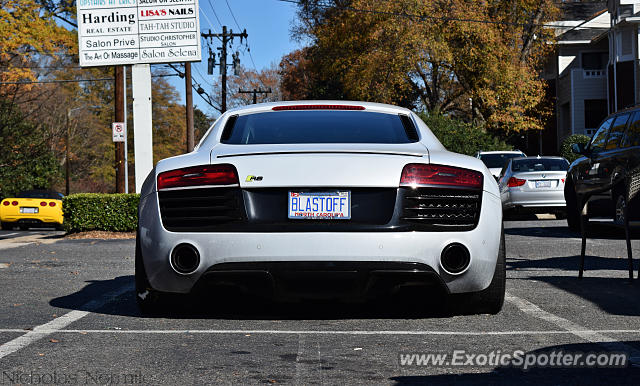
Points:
[[300, 200]]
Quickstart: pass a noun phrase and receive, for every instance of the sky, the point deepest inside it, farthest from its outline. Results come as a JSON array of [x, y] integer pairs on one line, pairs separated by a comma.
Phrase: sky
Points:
[[268, 24]]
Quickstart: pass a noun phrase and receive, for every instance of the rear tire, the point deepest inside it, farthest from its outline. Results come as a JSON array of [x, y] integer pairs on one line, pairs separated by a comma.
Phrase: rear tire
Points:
[[6, 226], [491, 299], [150, 301]]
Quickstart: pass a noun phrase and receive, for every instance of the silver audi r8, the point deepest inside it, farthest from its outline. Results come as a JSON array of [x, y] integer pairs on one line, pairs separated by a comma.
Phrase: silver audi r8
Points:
[[300, 200]]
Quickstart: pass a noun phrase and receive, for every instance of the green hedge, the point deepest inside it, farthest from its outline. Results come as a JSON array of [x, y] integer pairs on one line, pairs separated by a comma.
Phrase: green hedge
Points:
[[461, 137], [565, 147], [100, 212]]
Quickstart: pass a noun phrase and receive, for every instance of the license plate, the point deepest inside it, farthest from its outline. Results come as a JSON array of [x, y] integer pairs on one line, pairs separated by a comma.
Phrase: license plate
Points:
[[543, 184], [28, 210], [325, 206]]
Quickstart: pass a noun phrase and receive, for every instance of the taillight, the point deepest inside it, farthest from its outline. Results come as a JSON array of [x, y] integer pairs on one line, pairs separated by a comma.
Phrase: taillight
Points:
[[14, 203], [514, 182], [52, 204], [6, 203], [562, 180], [43, 203], [198, 176], [423, 174], [317, 107]]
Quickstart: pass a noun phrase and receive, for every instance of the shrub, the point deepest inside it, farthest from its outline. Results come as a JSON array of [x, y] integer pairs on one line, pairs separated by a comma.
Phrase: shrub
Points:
[[565, 147], [101, 212], [460, 137]]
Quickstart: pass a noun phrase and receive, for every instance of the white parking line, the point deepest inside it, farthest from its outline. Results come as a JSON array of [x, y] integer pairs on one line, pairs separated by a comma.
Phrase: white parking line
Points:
[[59, 323], [341, 332], [592, 336], [9, 234]]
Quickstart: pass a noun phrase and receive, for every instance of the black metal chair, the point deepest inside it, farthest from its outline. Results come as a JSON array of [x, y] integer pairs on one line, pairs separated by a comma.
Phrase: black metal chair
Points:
[[632, 191]]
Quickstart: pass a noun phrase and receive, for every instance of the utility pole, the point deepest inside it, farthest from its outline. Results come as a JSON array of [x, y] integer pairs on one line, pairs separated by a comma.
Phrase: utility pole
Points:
[[225, 38], [223, 68], [126, 132], [189, 100], [67, 168], [119, 117], [255, 93]]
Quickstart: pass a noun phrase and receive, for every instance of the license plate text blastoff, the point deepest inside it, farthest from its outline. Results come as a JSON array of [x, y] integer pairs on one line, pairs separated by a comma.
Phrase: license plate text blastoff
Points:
[[326, 205]]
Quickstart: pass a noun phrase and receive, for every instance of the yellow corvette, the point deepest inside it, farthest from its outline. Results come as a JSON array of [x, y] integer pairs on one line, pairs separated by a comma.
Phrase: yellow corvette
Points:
[[32, 208]]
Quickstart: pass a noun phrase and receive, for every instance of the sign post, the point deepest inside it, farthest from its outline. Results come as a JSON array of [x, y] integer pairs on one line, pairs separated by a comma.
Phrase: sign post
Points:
[[139, 33], [143, 141]]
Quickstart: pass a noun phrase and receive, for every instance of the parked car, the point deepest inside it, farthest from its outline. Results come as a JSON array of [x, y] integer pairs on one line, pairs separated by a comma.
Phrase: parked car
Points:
[[495, 160], [298, 200], [535, 184], [32, 208], [609, 171]]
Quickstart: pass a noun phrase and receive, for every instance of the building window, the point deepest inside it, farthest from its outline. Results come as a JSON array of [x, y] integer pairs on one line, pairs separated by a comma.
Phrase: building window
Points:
[[594, 60], [626, 41], [595, 110]]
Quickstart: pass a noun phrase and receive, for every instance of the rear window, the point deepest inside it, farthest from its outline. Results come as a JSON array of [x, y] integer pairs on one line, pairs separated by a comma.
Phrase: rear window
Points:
[[540, 165], [497, 160], [295, 127]]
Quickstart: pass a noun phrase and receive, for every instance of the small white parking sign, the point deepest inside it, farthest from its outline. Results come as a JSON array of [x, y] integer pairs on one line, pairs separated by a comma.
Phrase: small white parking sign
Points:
[[119, 130]]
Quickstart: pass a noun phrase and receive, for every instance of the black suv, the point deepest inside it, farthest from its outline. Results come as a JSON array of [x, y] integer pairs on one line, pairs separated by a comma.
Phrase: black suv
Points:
[[608, 174]]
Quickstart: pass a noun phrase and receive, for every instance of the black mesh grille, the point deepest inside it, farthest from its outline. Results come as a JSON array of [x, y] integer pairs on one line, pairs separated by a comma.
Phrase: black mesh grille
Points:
[[442, 207], [200, 210]]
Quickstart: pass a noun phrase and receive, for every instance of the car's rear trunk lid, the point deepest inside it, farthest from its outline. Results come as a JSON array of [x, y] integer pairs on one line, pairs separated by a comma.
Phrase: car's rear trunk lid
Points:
[[320, 165], [542, 180]]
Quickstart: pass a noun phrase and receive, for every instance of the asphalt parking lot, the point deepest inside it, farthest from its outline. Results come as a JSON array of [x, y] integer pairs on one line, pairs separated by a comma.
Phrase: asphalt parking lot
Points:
[[68, 315]]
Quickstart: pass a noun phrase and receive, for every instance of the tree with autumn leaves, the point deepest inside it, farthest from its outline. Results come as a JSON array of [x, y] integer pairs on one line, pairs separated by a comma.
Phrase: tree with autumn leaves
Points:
[[477, 60]]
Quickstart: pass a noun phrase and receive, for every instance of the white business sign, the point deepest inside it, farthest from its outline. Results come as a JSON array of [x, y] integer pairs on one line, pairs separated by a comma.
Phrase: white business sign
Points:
[[114, 32], [119, 130]]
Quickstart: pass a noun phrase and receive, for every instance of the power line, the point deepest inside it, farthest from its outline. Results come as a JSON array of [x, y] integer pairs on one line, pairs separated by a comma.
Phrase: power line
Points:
[[255, 68], [204, 79], [45, 53], [215, 14], [43, 67], [196, 86], [423, 18], [232, 15], [60, 81], [206, 17], [74, 80]]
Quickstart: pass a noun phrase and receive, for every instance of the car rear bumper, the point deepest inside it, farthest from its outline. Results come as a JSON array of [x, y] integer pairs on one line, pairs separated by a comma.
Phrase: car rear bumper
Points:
[[31, 220], [554, 198], [325, 249]]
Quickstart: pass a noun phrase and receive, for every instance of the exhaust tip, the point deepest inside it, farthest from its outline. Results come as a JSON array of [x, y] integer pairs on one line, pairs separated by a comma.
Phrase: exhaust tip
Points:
[[455, 259], [185, 259]]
